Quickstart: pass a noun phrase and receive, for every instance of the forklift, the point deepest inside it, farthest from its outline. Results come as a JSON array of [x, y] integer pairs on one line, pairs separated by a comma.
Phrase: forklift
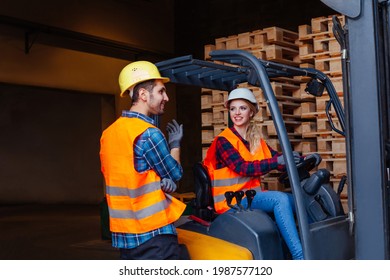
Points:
[[326, 231], [324, 227]]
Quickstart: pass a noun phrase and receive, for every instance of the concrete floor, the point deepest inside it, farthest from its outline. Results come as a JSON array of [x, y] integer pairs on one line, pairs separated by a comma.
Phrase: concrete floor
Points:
[[53, 232]]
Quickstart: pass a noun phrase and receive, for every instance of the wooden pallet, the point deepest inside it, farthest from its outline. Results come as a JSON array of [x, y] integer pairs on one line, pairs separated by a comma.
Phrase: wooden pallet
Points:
[[282, 37], [320, 128], [322, 102], [219, 97], [261, 116], [259, 39], [319, 110], [288, 110], [305, 51], [252, 40], [317, 41], [335, 146], [210, 132], [269, 131], [218, 128], [312, 57], [325, 24], [207, 118], [309, 129], [323, 124], [302, 146], [272, 185], [206, 99], [227, 43], [338, 85], [282, 54], [320, 27], [287, 91], [329, 46], [307, 147], [220, 115], [329, 65], [258, 53], [336, 166], [306, 109], [207, 49], [207, 135], [324, 133], [270, 181]]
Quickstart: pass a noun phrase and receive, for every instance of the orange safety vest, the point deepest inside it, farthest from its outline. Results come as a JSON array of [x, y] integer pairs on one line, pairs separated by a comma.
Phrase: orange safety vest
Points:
[[225, 179], [135, 200]]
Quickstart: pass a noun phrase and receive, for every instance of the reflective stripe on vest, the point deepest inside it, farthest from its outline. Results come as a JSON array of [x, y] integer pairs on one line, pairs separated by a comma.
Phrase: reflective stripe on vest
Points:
[[135, 200], [225, 179]]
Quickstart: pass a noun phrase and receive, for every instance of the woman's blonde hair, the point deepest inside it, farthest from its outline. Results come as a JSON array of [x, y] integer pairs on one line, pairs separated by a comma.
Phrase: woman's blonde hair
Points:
[[253, 132]]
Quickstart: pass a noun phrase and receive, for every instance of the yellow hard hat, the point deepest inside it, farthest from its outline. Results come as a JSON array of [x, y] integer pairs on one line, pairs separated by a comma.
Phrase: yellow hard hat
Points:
[[137, 72]]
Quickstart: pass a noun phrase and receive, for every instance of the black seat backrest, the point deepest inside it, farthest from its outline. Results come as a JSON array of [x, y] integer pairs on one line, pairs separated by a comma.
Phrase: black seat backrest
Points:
[[322, 201], [204, 203]]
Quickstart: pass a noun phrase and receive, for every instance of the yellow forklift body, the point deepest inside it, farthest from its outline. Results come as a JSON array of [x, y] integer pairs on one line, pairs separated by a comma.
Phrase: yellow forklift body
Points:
[[205, 247]]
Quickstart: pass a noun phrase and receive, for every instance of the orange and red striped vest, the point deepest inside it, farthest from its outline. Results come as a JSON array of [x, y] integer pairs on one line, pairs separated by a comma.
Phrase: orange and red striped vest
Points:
[[225, 179]]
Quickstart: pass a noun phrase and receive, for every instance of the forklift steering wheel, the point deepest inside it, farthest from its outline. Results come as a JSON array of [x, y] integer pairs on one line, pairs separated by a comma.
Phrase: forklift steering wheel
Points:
[[304, 169]]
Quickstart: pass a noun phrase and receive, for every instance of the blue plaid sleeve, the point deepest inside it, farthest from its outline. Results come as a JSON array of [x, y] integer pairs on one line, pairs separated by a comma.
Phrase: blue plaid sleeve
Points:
[[152, 152]]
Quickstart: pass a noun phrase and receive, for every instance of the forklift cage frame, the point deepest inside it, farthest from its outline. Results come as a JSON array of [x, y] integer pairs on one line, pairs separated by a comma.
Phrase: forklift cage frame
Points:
[[329, 239]]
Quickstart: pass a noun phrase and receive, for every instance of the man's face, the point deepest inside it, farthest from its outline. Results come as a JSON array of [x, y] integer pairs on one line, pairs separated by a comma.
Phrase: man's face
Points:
[[157, 98]]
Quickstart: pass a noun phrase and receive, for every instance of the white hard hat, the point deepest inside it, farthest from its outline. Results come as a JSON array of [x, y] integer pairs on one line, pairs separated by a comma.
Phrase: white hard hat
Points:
[[243, 93]]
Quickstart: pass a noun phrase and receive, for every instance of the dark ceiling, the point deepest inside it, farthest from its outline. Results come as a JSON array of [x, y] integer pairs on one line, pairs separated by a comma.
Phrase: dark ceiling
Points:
[[203, 21], [197, 23]]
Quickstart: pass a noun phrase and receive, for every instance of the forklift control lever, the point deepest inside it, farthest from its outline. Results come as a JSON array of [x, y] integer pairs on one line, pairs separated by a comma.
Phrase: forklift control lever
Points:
[[229, 195], [239, 195], [250, 194]]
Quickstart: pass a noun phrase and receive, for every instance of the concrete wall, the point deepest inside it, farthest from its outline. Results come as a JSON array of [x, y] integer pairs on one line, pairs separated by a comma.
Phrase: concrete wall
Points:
[[131, 22], [56, 101]]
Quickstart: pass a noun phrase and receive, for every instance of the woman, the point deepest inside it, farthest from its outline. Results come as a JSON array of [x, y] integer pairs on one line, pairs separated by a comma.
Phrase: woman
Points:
[[238, 157]]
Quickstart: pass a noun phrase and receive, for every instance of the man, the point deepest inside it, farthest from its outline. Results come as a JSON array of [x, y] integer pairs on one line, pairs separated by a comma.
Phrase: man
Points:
[[140, 169]]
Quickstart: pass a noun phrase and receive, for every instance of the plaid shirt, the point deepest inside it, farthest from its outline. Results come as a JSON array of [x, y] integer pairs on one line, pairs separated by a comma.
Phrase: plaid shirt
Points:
[[151, 151], [228, 156]]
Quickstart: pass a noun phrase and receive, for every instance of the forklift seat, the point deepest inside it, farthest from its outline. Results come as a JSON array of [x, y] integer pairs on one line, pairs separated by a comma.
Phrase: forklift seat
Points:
[[322, 202], [204, 202]]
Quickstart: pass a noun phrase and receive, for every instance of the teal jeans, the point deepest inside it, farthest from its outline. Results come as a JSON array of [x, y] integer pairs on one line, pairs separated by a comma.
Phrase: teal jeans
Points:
[[282, 206]]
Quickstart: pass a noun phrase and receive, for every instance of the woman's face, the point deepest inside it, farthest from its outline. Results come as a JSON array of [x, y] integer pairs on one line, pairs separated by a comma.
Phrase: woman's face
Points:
[[240, 112]]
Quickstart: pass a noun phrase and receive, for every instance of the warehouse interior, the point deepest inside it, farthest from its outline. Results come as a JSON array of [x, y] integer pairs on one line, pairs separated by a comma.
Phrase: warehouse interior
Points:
[[58, 90]]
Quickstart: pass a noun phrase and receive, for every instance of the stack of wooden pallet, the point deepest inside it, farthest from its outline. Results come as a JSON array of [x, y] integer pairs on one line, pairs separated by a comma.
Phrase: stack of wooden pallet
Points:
[[273, 44], [306, 122], [319, 48]]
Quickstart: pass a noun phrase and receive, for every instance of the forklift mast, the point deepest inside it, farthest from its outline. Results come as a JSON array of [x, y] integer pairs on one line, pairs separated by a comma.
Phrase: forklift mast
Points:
[[367, 101]]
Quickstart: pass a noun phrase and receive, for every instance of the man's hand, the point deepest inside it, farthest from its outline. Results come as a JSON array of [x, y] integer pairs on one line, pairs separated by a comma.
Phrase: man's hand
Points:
[[167, 185], [297, 158], [175, 134]]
